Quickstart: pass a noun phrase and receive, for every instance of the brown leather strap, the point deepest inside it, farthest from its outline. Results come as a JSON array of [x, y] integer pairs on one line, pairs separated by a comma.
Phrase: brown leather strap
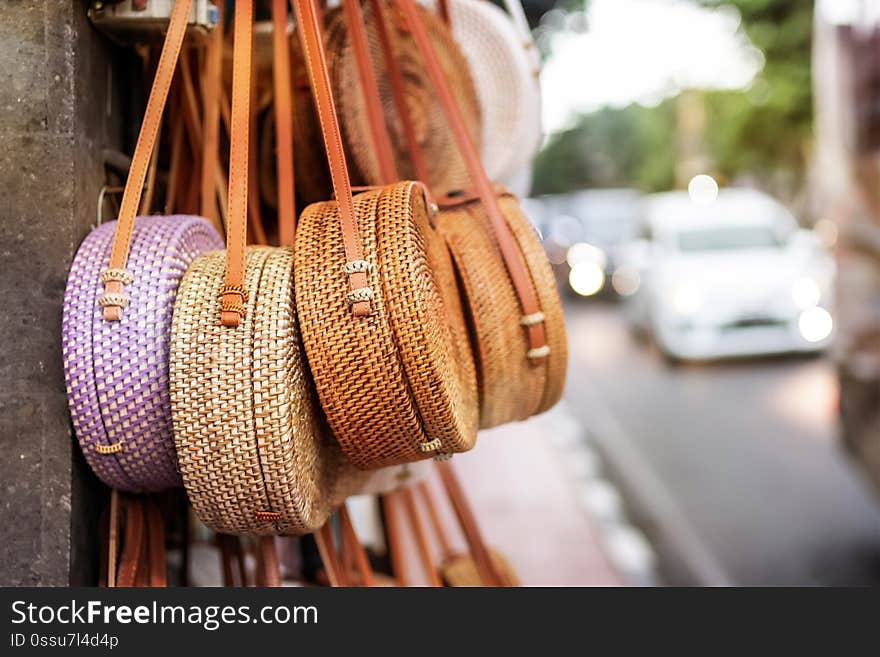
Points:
[[132, 543], [174, 166], [112, 301], [316, 64], [213, 79], [507, 244], [354, 547], [283, 123], [395, 540], [329, 556], [267, 562], [157, 575], [415, 521], [234, 294], [398, 92], [113, 538], [480, 553], [434, 517], [443, 10], [380, 137]]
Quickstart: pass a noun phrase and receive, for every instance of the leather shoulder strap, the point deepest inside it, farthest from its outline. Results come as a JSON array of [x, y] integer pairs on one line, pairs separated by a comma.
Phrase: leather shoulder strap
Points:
[[313, 48], [283, 122], [114, 276], [357, 30], [213, 71], [234, 294], [532, 318]]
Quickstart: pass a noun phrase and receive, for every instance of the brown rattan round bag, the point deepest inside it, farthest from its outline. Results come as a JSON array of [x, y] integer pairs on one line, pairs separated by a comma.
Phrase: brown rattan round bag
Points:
[[445, 168], [512, 386], [379, 309], [510, 293]]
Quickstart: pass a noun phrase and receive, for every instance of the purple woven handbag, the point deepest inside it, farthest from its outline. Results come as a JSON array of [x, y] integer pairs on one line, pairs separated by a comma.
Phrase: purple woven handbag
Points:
[[117, 372], [116, 322]]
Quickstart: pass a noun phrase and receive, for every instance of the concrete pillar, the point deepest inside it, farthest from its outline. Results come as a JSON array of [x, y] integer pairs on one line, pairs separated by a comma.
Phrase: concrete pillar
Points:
[[54, 122]]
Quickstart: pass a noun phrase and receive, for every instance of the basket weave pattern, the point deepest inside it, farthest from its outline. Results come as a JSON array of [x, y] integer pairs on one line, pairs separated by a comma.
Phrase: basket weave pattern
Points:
[[249, 434], [511, 387], [404, 375], [117, 372]]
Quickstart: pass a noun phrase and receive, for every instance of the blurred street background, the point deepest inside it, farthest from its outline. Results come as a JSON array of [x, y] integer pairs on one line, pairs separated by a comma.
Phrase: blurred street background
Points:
[[707, 193]]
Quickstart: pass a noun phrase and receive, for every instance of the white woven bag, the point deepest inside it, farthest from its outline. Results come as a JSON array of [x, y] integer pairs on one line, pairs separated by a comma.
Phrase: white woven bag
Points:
[[504, 65]]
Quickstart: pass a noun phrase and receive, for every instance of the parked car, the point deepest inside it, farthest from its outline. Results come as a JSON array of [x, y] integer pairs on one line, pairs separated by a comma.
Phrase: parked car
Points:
[[731, 277], [584, 233]]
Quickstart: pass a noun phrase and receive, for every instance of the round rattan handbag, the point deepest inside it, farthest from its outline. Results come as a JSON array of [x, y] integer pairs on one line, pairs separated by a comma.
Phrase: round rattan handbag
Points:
[[444, 167], [117, 318], [505, 76], [254, 452], [510, 293], [379, 309]]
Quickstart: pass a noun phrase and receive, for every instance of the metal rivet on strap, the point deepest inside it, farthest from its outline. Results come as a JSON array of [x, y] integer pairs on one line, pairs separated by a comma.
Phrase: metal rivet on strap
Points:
[[267, 515], [113, 300], [357, 266], [539, 352], [118, 275], [358, 295], [431, 445], [531, 320], [109, 449]]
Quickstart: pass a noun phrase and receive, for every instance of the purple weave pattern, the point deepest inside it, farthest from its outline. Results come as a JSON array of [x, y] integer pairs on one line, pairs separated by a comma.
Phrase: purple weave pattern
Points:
[[117, 372]]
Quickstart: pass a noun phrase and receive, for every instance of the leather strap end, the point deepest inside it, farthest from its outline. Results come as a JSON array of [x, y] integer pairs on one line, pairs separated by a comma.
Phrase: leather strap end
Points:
[[231, 318], [361, 309], [112, 313]]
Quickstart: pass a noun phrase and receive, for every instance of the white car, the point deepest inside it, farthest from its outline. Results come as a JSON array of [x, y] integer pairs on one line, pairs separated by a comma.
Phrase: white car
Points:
[[731, 277]]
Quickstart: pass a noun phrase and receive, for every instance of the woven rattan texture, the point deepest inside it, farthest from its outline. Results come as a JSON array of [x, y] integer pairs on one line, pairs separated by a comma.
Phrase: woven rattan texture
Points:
[[506, 84], [117, 372], [403, 375], [446, 170], [249, 434], [511, 386]]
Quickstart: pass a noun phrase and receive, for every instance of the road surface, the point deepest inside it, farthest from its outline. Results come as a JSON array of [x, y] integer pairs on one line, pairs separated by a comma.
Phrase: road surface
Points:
[[732, 469]]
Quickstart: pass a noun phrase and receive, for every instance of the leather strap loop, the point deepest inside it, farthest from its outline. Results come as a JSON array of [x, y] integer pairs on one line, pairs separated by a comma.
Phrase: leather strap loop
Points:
[[316, 64], [381, 139], [143, 151], [510, 251], [234, 294], [283, 123]]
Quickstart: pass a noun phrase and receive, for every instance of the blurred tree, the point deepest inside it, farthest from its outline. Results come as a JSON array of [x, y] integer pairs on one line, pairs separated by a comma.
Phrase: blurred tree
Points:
[[633, 146], [764, 132]]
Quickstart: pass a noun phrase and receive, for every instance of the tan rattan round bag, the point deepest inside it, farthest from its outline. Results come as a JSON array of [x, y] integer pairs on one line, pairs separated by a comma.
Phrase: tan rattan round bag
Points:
[[254, 451], [379, 309], [510, 293], [512, 386], [445, 169]]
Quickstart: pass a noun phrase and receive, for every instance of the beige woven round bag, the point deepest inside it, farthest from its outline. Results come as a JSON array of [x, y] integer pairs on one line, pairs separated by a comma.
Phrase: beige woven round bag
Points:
[[379, 309], [253, 449]]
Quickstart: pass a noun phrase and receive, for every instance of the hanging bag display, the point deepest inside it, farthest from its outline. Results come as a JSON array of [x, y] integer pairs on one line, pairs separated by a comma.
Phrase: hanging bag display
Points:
[[510, 293], [117, 317], [254, 452], [379, 309]]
